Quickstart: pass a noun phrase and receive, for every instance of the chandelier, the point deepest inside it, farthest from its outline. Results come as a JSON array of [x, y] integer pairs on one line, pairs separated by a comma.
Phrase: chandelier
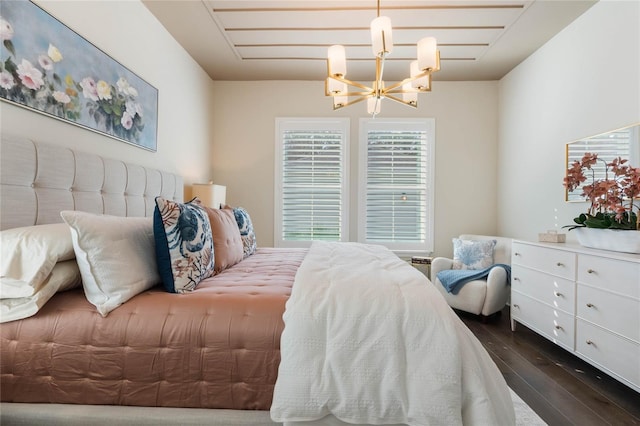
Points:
[[346, 92]]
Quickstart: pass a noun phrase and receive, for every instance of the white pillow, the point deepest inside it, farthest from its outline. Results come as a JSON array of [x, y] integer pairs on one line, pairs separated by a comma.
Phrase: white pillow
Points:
[[116, 256], [64, 276], [29, 255]]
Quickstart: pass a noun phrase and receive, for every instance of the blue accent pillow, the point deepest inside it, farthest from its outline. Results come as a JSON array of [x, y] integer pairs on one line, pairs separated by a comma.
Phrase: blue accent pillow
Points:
[[247, 234], [184, 244], [473, 254]]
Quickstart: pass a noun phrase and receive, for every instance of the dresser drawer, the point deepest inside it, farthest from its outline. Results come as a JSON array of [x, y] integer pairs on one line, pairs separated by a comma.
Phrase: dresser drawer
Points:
[[553, 324], [615, 275], [556, 262], [614, 312], [616, 354], [551, 290]]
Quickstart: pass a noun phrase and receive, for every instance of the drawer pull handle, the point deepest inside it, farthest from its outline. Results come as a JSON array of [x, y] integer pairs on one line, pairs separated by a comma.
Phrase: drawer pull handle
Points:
[[559, 264], [516, 279], [589, 342], [558, 327], [558, 294], [590, 271], [516, 254], [516, 306], [590, 305]]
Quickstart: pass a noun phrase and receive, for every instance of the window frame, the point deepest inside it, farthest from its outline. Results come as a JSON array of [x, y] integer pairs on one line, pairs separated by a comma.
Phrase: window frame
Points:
[[423, 124], [309, 123]]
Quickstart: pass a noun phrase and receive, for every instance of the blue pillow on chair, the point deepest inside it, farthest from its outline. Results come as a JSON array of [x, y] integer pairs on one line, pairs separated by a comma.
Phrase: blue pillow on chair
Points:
[[473, 254]]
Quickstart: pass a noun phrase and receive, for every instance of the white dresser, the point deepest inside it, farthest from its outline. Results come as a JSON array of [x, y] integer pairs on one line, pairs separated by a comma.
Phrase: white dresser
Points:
[[586, 301]]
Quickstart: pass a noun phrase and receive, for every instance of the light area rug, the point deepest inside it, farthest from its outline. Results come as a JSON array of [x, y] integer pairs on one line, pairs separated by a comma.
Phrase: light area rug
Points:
[[96, 415], [525, 416]]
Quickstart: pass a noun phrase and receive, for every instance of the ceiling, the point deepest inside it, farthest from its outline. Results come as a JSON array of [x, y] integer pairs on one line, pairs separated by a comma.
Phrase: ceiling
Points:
[[288, 40]]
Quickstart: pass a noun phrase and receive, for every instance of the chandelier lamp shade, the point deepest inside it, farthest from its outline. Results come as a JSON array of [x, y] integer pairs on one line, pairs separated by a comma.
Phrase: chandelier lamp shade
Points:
[[346, 92]]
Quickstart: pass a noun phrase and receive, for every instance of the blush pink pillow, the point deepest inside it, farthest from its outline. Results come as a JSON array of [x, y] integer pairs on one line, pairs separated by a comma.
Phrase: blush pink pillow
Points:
[[227, 243]]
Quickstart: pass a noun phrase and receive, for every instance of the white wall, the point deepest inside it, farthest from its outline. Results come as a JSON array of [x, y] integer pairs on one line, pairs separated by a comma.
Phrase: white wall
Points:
[[583, 82], [466, 148], [129, 33]]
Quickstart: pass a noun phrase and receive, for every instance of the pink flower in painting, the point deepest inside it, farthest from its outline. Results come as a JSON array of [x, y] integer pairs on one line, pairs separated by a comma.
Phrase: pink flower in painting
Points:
[[6, 80], [89, 89], [61, 97], [6, 30], [31, 77], [45, 62], [127, 120], [104, 90]]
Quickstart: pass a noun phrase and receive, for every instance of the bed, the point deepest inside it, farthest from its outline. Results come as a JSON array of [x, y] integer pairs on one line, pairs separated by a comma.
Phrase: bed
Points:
[[221, 354]]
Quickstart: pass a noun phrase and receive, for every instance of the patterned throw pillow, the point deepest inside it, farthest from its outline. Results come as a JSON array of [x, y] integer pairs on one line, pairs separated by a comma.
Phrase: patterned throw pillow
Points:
[[184, 244], [246, 231], [473, 254]]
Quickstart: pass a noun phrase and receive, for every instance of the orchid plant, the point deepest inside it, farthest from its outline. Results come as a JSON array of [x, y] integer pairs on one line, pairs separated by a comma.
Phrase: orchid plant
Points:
[[613, 199]]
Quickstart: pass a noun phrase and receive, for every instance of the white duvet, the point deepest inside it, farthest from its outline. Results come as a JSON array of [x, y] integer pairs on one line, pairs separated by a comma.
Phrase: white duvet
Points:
[[369, 340]]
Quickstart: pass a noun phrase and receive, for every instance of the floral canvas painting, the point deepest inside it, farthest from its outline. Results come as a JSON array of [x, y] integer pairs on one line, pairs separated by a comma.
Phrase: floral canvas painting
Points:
[[49, 68]]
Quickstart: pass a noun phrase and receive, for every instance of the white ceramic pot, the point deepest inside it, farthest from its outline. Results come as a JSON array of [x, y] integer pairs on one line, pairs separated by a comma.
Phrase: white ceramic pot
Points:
[[609, 239]]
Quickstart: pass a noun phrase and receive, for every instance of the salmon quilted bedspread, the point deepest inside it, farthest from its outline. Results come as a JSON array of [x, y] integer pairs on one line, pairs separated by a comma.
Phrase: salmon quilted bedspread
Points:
[[217, 347]]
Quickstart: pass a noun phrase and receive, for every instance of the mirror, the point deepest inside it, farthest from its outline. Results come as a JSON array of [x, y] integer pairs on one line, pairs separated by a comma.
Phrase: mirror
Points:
[[623, 143]]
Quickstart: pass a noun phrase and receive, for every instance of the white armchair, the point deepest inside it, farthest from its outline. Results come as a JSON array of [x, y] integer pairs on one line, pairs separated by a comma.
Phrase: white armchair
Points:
[[481, 297]]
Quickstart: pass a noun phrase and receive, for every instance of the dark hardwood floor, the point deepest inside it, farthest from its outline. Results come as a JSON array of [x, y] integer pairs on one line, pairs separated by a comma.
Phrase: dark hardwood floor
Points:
[[558, 386]]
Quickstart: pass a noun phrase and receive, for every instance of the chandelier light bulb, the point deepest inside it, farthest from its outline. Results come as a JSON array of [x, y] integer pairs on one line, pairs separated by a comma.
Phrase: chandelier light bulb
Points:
[[409, 95], [337, 87], [337, 61], [427, 54], [419, 83], [373, 105], [340, 101], [381, 36]]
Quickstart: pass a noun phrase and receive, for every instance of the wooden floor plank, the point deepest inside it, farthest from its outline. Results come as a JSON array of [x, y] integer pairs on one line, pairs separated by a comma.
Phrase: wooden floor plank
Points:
[[560, 387]]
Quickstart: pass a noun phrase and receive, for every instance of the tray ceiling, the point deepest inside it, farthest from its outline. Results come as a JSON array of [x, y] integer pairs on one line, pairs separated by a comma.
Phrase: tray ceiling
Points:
[[288, 40]]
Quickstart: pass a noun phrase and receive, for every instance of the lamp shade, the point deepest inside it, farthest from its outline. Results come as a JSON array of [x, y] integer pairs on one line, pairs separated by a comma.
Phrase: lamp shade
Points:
[[427, 56], [337, 60], [337, 87], [209, 194], [340, 101], [373, 105], [381, 36], [409, 95], [419, 83]]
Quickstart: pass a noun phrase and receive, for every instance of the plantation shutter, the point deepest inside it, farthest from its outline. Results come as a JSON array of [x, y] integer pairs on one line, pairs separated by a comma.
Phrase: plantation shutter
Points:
[[312, 181], [608, 146], [395, 184]]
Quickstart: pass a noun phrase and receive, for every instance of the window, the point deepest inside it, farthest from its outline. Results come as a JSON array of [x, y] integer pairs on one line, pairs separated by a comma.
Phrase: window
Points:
[[396, 183], [311, 181]]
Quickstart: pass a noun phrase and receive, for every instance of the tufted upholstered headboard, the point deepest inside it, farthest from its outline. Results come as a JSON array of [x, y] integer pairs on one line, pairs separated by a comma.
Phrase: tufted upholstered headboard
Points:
[[38, 180]]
